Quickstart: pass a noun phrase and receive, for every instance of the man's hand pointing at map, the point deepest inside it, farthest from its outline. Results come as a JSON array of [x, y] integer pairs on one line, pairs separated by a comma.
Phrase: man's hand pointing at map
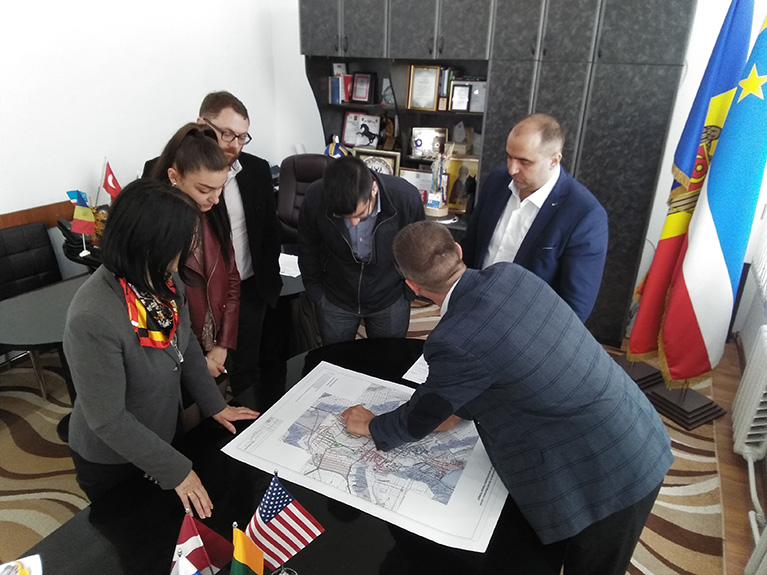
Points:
[[357, 420]]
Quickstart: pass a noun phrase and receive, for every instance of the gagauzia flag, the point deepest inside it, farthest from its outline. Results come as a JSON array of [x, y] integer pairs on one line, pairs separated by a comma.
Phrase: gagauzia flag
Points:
[[199, 548], [110, 182], [83, 221], [703, 291], [248, 558], [691, 164], [281, 527]]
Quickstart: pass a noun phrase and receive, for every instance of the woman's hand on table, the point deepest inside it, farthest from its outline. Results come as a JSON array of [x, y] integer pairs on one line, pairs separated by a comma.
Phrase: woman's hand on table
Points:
[[193, 494], [229, 414]]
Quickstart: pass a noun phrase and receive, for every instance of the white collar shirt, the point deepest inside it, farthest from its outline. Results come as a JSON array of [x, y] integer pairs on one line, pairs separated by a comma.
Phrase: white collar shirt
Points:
[[516, 220], [236, 212]]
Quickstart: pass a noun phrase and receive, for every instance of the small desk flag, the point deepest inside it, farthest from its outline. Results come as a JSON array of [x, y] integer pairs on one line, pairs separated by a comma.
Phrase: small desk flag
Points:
[[110, 182], [248, 558], [83, 221], [199, 548], [281, 527]]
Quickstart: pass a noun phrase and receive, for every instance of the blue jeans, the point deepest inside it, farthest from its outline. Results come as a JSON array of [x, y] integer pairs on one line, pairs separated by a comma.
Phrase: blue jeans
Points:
[[337, 324]]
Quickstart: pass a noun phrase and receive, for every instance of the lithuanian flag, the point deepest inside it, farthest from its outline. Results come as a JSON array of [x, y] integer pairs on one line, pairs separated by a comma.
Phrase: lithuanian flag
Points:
[[248, 558]]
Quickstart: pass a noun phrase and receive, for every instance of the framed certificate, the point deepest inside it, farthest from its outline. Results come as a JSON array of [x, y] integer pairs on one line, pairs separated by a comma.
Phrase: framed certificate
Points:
[[424, 86], [459, 97], [362, 88]]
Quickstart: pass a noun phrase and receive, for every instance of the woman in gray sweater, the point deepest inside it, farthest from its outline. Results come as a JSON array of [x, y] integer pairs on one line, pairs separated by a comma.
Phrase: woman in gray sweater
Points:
[[130, 349]]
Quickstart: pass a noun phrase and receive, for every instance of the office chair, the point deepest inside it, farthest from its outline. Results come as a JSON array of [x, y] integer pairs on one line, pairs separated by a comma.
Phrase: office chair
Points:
[[296, 174], [27, 262]]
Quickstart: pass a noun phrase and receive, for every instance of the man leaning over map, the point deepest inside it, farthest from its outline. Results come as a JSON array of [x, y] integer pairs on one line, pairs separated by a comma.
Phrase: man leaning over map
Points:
[[580, 449]]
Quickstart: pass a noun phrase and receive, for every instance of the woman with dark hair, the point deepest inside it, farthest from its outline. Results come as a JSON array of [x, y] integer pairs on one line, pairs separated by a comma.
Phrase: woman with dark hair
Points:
[[193, 161], [130, 350]]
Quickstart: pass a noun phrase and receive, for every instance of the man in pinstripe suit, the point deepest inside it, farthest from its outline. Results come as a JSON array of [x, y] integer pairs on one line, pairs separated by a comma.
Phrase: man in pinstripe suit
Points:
[[579, 447]]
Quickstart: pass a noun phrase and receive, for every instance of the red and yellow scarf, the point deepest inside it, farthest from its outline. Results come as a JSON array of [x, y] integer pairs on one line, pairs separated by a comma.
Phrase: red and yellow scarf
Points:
[[155, 321]]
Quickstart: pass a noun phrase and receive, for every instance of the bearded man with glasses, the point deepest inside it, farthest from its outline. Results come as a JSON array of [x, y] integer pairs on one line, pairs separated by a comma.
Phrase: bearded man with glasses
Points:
[[249, 199], [346, 227]]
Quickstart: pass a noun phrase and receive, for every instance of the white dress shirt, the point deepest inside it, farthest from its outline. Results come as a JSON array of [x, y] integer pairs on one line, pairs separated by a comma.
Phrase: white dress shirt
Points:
[[516, 221], [236, 213]]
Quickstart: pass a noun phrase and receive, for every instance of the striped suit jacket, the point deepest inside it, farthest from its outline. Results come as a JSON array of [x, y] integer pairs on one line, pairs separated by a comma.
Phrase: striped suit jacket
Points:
[[569, 433]]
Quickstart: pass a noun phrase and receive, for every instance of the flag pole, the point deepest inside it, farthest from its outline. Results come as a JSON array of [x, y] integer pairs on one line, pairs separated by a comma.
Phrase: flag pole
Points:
[[101, 181]]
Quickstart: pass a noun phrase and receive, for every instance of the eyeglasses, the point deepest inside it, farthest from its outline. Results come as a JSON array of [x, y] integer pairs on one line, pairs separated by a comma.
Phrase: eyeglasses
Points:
[[228, 136]]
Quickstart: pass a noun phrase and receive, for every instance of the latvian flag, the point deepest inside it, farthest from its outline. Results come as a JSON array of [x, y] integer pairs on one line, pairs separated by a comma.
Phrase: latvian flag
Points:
[[199, 549], [281, 527]]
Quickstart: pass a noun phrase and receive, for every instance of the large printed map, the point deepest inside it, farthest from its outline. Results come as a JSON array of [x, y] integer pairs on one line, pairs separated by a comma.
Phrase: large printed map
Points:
[[442, 487], [431, 467]]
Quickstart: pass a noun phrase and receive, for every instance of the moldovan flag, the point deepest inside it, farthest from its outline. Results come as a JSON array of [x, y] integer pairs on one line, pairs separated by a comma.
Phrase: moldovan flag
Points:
[[280, 526], [248, 558], [83, 221], [110, 182], [202, 548], [703, 290], [691, 164]]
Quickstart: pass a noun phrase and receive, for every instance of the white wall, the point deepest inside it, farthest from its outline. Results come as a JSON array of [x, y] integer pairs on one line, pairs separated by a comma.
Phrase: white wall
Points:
[[83, 80]]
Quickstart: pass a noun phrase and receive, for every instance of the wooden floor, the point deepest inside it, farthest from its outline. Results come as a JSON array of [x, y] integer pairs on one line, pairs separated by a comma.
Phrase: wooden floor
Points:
[[738, 541]]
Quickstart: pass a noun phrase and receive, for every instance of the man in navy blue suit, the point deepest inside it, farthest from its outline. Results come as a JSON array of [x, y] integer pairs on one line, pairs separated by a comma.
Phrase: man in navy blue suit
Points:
[[577, 444], [533, 213]]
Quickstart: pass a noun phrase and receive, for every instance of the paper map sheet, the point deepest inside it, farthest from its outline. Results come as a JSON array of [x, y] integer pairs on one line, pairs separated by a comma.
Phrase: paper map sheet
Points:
[[442, 487]]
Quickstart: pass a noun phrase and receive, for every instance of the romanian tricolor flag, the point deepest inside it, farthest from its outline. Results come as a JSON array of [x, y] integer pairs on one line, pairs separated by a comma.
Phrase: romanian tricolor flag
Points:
[[83, 221], [703, 290], [248, 558], [691, 163]]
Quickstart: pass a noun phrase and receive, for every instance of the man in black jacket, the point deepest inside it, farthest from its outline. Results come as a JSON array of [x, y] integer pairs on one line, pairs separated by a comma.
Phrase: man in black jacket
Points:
[[346, 227], [249, 198]]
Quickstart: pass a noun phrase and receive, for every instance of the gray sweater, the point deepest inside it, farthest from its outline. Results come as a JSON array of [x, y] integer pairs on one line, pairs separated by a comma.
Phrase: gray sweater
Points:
[[129, 396]]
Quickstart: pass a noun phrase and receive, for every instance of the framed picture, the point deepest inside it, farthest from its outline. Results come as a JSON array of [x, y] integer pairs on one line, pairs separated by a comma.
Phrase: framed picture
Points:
[[424, 86], [361, 129], [381, 161], [462, 174], [421, 179], [478, 96], [428, 142], [459, 97], [362, 88]]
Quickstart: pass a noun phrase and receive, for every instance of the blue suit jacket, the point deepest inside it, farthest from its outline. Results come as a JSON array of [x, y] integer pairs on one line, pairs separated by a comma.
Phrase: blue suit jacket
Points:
[[569, 433], [565, 247]]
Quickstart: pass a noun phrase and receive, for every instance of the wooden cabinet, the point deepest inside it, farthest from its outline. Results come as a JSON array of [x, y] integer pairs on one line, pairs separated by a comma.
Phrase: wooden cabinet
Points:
[[439, 29], [353, 28]]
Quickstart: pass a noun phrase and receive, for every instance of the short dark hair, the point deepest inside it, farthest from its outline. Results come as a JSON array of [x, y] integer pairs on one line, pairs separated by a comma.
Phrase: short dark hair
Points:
[[551, 131], [150, 223], [192, 148], [347, 181], [426, 254], [216, 102]]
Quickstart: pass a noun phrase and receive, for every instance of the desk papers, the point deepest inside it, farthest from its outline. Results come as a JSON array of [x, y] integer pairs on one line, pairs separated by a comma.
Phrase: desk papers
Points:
[[289, 265], [442, 487]]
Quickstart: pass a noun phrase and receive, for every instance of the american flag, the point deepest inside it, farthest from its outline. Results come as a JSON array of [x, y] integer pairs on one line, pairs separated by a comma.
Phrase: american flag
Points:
[[281, 527]]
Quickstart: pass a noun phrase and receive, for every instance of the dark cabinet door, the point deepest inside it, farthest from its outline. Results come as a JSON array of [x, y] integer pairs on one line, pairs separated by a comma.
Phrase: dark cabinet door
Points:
[[364, 26], [561, 92], [570, 32], [319, 22], [647, 32], [508, 100], [412, 29], [464, 29], [624, 133], [517, 29]]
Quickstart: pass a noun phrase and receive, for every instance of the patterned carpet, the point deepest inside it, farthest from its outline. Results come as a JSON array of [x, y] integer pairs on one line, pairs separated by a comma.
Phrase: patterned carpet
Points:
[[38, 492]]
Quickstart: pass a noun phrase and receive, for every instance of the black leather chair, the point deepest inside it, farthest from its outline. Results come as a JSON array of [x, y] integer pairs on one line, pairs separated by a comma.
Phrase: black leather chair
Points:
[[296, 174], [27, 262]]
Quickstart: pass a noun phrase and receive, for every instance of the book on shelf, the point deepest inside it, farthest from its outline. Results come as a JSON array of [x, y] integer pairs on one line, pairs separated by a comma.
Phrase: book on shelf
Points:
[[339, 89]]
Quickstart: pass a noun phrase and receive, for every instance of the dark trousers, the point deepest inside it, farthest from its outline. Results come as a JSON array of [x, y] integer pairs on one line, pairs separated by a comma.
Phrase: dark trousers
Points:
[[604, 547], [97, 479], [245, 370]]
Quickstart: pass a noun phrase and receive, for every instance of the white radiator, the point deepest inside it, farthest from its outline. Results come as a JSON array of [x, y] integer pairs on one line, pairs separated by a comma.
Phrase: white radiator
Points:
[[749, 432], [749, 410]]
